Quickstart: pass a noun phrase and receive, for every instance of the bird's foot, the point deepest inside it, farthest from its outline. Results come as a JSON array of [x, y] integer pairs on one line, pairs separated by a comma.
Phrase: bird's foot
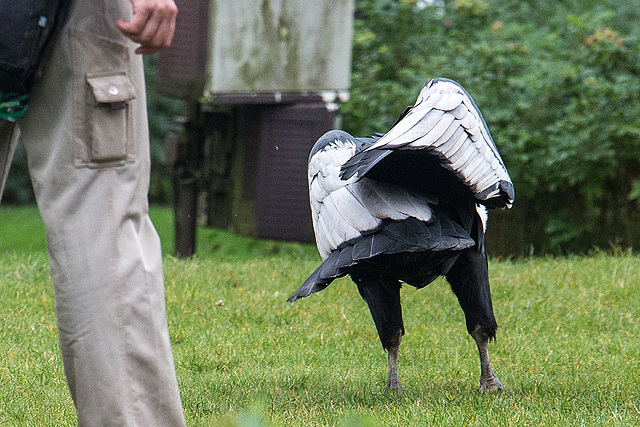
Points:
[[491, 384], [394, 389]]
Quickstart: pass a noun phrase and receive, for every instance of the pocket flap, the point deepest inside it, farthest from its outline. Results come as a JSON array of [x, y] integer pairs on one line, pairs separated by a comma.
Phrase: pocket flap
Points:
[[112, 89]]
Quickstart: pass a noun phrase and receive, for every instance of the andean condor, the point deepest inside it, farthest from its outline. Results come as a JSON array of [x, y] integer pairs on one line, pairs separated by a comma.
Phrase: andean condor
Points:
[[409, 206]]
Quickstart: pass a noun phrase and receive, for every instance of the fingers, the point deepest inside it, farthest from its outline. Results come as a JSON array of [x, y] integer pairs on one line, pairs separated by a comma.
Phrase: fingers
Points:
[[152, 24]]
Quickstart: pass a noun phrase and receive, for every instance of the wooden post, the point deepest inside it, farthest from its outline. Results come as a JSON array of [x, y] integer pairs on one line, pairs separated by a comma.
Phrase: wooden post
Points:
[[186, 174]]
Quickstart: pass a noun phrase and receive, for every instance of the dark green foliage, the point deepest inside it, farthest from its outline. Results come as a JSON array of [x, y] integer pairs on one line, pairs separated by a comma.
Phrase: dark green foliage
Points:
[[559, 86]]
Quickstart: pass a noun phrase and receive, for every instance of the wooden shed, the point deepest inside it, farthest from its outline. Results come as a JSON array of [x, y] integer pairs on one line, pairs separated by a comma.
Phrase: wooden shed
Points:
[[264, 79]]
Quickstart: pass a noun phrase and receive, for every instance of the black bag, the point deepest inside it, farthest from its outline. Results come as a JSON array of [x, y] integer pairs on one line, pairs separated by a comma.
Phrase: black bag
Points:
[[26, 30]]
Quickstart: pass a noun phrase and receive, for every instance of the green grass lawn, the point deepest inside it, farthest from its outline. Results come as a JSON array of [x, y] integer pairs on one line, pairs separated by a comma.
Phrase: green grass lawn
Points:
[[568, 346]]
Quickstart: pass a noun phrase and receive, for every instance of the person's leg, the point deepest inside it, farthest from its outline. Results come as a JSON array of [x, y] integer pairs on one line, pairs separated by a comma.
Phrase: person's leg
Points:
[[88, 152], [8, 141]]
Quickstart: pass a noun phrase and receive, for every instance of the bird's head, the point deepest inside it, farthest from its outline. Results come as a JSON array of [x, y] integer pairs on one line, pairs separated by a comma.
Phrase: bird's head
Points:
[[438, 85], [431, 82], [330, 138]]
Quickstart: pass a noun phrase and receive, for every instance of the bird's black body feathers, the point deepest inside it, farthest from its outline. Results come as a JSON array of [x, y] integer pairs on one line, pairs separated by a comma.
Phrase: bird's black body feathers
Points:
[[391, 245]]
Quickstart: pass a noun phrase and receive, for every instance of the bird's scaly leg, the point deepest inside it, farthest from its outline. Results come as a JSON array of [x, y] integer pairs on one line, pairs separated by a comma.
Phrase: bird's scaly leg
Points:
[[489, 382], [393, 383]]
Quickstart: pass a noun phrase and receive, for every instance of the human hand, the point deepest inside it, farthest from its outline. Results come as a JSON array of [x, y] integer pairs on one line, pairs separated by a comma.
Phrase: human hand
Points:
[[152, 24]]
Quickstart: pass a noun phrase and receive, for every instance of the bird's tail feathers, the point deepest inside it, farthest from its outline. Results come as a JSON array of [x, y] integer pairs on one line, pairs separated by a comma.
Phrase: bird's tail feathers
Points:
[[310, 286], [333, 267]]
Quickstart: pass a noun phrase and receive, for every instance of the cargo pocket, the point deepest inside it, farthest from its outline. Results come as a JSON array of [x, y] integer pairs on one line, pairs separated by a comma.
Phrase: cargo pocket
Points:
[[108, 122], [102, 108]]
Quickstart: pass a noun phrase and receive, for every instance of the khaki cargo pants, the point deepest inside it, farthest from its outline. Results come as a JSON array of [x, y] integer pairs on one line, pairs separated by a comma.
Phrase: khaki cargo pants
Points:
[[87, 142]]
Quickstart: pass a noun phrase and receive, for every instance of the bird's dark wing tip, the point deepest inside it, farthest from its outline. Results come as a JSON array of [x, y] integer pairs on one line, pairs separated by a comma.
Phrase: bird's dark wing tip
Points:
[[294, 298], [336, 265], [361, 163], [348, 170], [311, 285], [307, 289], [504, 199], [508, 188]]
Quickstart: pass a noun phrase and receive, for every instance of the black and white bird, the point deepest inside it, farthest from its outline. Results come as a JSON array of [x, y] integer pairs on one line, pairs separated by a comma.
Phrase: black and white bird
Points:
[[409, 206]]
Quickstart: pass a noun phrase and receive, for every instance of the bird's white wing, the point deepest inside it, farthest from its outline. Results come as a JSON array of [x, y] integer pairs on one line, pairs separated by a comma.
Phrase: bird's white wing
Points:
[[343, 211], [446, 122]]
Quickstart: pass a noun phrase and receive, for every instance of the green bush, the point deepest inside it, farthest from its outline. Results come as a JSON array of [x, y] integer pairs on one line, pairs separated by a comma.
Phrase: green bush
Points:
[[558, 84]]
